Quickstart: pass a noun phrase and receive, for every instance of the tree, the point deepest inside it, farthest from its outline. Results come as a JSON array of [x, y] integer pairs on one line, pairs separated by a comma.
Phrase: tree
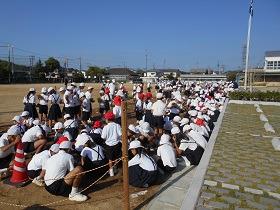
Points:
[[96, 72], [170, 76], [51, 64], [39, 69], [231, 75], [4, 71]]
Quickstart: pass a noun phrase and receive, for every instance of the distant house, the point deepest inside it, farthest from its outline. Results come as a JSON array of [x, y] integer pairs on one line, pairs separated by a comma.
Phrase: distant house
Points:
[[272, 61], [167, 72], [122, 74]]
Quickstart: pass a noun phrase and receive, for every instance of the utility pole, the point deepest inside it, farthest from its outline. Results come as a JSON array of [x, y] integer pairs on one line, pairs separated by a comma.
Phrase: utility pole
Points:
[[248, 42], [9, 59], [146, 55], [31, 63], [80, 63]]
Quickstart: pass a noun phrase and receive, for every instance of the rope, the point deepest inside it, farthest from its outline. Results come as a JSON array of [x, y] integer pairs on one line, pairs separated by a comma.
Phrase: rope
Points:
[[59, 201]]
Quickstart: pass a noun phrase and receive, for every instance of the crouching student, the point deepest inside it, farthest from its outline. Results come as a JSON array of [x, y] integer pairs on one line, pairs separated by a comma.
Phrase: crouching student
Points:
[[34, 168], [142, 168], [166, 153], [92, 156], [61, 177]]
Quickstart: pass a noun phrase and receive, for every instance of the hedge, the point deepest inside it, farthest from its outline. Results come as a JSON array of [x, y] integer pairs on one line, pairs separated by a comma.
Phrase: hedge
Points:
[[255, 96]]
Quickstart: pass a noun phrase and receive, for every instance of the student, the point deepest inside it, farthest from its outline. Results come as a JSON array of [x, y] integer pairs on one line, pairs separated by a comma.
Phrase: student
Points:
[[132, 133], [29, 102], [117, 111], [139, 107], [8, 141], [147, 106], [85, 104], [89, 97], [59, 132], [111, 133], [43, 104], [142, 168], [55, 112], [27, 120], [34, 167], [61, 177], [33, 139], [103, 102], [166, 153], [69, 101], [158, 110], [81, 140], [96, 132], [17, 121], [71, 126]]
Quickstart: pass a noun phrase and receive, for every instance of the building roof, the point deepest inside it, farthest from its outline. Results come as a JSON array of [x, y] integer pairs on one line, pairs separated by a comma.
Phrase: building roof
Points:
[[120, 71], [164, 70], [272, 54]]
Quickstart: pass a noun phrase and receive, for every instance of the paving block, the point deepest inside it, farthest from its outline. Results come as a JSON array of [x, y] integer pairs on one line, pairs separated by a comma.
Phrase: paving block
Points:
[[244, 196], [218, 205], [210, 183], [172, 196], [207, 195], [230, 186], [256, 205], [231, 200], [268, 128], [263, 118], [269, 201], [274, 195], [266, 187], [254, 191]]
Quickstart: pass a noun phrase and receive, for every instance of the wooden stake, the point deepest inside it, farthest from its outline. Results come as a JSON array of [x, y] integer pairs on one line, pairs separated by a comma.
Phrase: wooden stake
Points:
[[125, 157]]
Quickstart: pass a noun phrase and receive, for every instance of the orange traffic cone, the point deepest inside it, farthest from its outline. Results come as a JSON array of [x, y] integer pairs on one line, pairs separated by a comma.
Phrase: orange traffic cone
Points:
[[19, 175]]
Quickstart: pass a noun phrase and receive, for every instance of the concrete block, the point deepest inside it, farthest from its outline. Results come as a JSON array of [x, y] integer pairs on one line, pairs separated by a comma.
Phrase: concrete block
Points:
[[263, 118], [254, 191], [276, 143], [256, 205], [230, 186], [210, 183], [268, 128], [217, 205], [274, 195]]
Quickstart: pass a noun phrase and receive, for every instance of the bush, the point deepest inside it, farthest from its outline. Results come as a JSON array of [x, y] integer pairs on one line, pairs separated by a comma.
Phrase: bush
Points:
[[255, 96]]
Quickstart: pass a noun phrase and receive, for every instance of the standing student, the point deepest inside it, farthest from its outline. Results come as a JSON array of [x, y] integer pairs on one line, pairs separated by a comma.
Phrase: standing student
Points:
[[111, 133], [139, 107], [142, 168], [147, 106], [104, 102], [61, 177], [85, 105], [158, 110], [27, 120], [117, 111], [29, 102], [89, 97], [43, 104], [69, 101], [55, 112]]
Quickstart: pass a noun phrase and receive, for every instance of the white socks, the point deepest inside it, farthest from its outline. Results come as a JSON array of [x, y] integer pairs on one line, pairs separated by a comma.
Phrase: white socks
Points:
[[74, 190], [111, 171]]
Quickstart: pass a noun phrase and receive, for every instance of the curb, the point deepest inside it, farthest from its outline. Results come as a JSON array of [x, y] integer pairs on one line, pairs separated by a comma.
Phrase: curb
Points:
[[192, 196]]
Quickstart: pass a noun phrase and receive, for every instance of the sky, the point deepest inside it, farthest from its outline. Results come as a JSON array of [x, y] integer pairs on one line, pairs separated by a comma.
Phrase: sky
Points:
[[181, 34]]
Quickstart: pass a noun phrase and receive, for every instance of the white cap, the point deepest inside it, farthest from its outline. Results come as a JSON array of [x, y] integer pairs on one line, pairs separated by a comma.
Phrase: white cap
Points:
[[36, 122], [13, 131], [101, 91], [159, 95], [66, 116], [113, 80], [175, 130], [43, 90], [17, 118], [89, 88], [192, 113], [24, 114], [81, 95], [146, 128], [65, 145], [73, 84], [70, 88], [176, 119], [32, 89], [120, 93], [61, 89], [54, 148], [186, 128], [58, 125], [184, 121], [135, 144], [165, 138], [84, 131], [133, 128], [82, 84], [50, 89]]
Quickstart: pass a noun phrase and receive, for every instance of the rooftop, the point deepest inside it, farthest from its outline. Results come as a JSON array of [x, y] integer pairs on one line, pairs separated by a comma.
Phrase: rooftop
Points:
[[272, 54]]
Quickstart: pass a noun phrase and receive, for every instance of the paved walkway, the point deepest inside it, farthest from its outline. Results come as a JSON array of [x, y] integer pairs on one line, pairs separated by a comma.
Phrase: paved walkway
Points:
[[244, 170], [172, 192]]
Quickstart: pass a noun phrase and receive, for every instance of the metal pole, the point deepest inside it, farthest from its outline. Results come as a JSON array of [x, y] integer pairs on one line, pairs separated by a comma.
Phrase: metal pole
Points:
[[80, 63], [126, 204], [248, 47], [9, 64], [146, 55], [13, 62]]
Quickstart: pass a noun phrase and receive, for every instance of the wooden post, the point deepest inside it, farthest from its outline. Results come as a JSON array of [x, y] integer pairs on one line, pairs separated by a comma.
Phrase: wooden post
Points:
[[126, 204]]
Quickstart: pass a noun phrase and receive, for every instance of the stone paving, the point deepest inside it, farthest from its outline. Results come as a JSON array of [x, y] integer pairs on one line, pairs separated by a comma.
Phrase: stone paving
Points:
[[244, 170]]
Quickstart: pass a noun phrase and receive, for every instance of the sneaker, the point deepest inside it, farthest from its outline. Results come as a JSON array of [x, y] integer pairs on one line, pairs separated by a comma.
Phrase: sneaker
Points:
[[77, 197], [38, 182]]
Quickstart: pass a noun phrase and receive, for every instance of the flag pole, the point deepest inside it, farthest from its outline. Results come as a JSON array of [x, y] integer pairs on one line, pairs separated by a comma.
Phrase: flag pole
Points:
[[248, 44]]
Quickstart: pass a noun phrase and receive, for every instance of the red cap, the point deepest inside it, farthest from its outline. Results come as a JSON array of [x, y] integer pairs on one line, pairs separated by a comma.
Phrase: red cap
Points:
[[61, 139], [109, 116], [117, 101], [141, 96], [107, 90], [97, 124], [149, 95]]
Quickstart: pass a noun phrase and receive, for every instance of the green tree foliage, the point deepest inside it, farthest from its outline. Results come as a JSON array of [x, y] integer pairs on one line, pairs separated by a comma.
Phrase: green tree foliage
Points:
[[170, 76], [51, 64], [39, 69], [4, 69], [231, 75], [96, 72]]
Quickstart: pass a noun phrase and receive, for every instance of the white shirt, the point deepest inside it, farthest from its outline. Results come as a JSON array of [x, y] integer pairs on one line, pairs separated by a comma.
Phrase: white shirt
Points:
[[117, 111], [44, 99], [139, 105], [70, 99], [86, 105], [88, 95], [167, 154], [31, 99], [4, 142], [148, 106], [158, 108], [198, 138], [32, 134], [93, 154], [144, 161], [111, 133], [81, 140], [185, 144], [103, 99], [70, 124], [54, 98], [112, 88], [57, 166], [38, 160]]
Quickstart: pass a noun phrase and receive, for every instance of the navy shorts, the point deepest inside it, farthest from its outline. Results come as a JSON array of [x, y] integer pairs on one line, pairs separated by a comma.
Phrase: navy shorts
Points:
[[59, 187]]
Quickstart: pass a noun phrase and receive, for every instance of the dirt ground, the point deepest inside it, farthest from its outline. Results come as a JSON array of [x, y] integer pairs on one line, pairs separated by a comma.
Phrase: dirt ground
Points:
[[106, 194]]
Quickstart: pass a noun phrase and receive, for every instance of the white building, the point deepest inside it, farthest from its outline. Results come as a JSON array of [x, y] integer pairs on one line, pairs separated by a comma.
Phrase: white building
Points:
[[272, 61]]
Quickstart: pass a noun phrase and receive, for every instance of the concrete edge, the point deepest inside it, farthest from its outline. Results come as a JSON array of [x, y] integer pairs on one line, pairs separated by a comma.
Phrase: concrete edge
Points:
[[192, 195], [254, 102]]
